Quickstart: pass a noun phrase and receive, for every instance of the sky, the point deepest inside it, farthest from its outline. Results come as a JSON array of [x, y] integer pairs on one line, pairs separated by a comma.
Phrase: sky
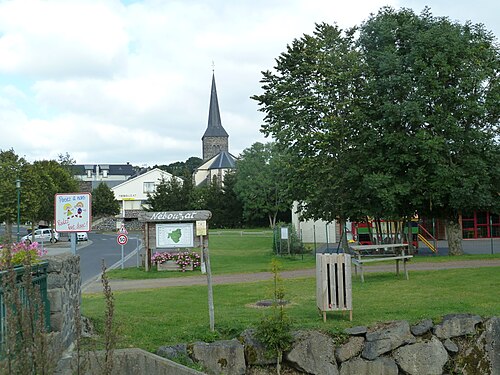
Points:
[[112, 82]]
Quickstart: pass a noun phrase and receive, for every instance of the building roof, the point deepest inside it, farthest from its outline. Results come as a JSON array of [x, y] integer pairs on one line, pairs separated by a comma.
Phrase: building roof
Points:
[[113, 169], [223, 160], [214, 127]]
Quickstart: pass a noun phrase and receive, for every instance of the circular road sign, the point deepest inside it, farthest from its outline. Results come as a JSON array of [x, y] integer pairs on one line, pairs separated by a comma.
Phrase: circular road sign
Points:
[[122, 239]]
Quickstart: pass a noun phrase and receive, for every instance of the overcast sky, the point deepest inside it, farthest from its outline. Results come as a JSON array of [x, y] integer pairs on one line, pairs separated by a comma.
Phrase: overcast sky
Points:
[[113, 81]]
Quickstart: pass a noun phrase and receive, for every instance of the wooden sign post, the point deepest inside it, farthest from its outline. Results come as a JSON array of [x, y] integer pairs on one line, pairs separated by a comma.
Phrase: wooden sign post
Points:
[[171, 230]]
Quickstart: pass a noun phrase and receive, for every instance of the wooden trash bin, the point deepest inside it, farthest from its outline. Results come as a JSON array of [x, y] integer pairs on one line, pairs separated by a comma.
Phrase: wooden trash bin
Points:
[[333, 283]]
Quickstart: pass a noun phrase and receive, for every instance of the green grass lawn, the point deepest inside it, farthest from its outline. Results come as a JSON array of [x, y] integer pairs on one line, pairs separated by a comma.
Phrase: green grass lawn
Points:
[[234, 251], [150, 318]]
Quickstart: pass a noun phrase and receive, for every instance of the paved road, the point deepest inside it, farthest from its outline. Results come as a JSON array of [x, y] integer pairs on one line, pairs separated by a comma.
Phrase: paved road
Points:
[[127, 285], [99, 247]]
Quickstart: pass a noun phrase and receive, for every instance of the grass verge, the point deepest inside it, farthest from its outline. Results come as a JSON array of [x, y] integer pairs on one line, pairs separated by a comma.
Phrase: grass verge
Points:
[[150, 318]]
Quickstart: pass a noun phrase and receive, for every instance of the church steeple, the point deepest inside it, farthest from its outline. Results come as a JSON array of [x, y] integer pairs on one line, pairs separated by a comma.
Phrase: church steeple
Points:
[[215, 138]]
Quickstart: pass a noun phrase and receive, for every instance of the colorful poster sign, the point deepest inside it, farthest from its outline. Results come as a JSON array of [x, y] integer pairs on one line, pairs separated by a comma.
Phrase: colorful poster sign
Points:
[[73, 212]]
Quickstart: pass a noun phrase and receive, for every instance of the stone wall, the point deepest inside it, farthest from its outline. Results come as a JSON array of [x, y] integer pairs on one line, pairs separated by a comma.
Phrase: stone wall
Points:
[[64, 293], [109, 224], [459, 344]]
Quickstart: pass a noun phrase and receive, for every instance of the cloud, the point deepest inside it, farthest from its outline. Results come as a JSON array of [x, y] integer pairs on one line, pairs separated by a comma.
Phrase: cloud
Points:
[[110, 81], [62, 38]]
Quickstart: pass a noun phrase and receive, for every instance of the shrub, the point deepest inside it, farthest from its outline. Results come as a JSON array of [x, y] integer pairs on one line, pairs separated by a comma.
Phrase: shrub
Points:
[[19, 253]]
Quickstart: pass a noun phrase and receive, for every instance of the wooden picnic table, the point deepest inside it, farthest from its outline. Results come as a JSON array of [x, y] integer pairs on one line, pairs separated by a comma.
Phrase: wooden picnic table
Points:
[[378, 253]]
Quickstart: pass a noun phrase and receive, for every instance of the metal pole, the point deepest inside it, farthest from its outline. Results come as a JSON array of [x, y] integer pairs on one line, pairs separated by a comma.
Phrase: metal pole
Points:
[[137, 252], [73, 242], [122, 256], [18, 188], [491, 233]]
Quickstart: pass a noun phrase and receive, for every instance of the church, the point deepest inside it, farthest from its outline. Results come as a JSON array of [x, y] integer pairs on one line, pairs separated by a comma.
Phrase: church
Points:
[[217, 160]]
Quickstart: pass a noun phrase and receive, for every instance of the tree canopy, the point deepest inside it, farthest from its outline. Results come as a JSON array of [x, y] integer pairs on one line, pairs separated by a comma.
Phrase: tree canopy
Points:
[[260, 182], [396, 116], [104, 202]]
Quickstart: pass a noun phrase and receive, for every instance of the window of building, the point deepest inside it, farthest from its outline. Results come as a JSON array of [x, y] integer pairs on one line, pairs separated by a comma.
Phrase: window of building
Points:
[[149, 187]]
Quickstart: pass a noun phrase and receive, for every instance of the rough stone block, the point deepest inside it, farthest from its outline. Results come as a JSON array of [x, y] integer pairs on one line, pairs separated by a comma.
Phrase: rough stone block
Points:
[[55, 298], [360, 366], [221, 357], [255, 351], [350, 349], [387, 337], [457, 325], [314, 353], [422, 327], [426, 357]]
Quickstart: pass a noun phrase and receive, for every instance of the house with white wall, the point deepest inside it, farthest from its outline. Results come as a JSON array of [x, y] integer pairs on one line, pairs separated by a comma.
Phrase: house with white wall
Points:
[[133, 193]]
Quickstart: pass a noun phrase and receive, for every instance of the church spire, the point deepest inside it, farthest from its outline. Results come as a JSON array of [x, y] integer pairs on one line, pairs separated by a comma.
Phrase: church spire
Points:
[[214, 128], [215, 138]]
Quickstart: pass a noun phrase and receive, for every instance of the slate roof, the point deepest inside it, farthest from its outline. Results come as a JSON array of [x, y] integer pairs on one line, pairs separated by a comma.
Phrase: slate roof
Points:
[[223, 160], [214, 127], [113, 169]]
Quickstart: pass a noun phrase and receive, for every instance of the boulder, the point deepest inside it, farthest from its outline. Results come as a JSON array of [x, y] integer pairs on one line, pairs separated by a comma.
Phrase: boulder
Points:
[[314, 353], [356, 331], [422, 327], [492, 347], [173, 351], [426, 357], [455, 325], [387, 337], [360, 366], [225, 357], [350, 349], [255, 351], [450, 346]]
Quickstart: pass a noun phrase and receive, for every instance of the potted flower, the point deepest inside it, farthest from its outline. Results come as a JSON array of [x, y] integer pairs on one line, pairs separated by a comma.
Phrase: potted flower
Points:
[[180, 261]]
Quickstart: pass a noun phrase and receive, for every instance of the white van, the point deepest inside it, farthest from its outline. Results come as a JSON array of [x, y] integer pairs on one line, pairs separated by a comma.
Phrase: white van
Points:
[[42, 235]]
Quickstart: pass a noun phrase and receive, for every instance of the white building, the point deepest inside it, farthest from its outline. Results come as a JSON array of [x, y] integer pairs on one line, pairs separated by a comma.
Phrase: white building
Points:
[[132, 194]]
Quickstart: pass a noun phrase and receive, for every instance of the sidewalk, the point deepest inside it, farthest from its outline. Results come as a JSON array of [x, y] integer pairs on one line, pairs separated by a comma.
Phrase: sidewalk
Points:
[[128, 285]]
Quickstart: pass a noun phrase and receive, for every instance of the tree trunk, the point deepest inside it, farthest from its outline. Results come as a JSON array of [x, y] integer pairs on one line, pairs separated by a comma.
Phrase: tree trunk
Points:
[[8, 232], [272, 219], [454, 235]]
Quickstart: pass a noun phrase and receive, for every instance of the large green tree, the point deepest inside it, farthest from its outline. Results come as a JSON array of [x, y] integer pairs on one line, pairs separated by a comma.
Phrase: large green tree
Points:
[[171, 195], [433, 113], [221, 200], [403, 118], [11, 166], [260, 182], [104, 202]]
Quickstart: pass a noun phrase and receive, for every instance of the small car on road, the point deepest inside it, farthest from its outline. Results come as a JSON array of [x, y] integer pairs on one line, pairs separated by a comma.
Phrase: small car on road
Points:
[[42, 235], [80, 236]]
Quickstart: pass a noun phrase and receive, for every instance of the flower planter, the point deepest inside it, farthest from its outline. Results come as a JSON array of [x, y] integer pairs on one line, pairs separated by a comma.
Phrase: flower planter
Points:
[[171, 265]]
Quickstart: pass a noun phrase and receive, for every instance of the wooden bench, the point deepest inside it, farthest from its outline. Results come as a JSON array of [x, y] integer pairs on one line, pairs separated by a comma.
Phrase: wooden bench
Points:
[[379, 253]]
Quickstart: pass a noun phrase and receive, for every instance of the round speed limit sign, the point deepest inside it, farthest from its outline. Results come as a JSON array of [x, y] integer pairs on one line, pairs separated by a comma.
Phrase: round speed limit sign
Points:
[[122, 239]]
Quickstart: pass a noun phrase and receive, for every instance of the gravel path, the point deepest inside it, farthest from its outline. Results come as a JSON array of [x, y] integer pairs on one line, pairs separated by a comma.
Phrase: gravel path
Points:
[[127, 285]]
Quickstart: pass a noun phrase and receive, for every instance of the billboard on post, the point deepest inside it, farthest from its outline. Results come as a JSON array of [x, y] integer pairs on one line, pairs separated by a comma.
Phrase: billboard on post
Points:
[[73, 212]]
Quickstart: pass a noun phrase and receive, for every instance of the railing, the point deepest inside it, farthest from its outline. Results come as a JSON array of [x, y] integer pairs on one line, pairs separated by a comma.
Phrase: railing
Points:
[[425, 240], [241, 233], [38, 278]]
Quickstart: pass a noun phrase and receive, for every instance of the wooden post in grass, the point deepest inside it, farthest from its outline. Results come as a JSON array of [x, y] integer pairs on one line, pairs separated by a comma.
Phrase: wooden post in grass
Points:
[[171, 230]]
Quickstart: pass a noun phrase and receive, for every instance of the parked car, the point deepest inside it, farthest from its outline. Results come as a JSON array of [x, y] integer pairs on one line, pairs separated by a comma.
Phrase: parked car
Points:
[[42, 235], [80, 236]]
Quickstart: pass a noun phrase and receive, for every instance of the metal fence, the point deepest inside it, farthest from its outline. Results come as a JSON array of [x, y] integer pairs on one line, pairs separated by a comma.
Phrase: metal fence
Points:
[[38, 278]]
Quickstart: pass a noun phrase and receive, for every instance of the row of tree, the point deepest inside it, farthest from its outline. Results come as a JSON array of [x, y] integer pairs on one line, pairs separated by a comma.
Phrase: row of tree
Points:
[[398, 115], [39, 182]]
